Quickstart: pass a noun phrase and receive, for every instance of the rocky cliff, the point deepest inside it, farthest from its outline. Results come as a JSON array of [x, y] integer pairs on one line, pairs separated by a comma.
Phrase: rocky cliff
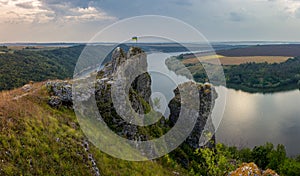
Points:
[[139, 92], [204, 128], [133, 66]]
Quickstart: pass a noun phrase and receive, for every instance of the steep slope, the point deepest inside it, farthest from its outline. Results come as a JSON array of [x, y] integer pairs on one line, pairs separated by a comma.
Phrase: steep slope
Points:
[[36, 139], [41, 135]]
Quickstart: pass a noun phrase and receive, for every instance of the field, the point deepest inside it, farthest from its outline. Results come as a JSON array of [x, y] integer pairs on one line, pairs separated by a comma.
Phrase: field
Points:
[[36, 48], [250, 68], [227, 60], [258, 54]]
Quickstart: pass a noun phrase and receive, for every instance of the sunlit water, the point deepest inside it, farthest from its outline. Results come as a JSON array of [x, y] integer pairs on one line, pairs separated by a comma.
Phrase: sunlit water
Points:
[[248, 119], [163, 81], [254, 119]]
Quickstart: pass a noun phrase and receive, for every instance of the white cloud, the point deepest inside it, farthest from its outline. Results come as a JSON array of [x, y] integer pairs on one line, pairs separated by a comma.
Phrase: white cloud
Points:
[[217, 20], [36, 11], [86, 14], [291, 5], [23, 11]]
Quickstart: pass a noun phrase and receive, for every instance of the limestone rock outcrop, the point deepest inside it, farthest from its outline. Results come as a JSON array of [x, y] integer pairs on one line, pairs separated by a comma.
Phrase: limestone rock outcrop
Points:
[[60, 93], [207, 96], [139, 90], [251, 169], [132, 67]]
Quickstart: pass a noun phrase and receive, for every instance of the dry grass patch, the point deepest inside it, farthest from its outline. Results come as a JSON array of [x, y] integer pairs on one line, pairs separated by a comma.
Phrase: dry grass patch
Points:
[[225, 60], [196, 60]]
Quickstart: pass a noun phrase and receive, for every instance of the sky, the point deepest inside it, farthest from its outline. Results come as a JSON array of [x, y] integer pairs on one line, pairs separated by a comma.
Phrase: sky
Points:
[[217, 20]]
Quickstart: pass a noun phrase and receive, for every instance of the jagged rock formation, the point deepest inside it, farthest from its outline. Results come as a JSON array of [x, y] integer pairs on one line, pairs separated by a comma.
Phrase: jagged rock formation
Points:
[[207, 96], [139, 91], [132, 66]]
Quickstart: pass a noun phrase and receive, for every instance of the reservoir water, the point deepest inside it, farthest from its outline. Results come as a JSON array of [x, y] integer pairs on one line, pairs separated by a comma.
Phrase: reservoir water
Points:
[[248, 119], [254, 119]]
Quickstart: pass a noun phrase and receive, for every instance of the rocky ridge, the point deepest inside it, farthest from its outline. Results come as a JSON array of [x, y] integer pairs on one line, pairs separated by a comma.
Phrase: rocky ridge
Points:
[[139, 95]]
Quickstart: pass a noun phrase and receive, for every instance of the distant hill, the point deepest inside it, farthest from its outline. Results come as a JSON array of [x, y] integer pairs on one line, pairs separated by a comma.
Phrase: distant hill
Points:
[[18, 67], [24, 64], [21, 66], [263, 50]]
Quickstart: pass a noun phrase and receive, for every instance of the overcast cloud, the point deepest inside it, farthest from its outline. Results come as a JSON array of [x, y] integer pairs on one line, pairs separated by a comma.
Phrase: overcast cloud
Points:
[[218, 20]]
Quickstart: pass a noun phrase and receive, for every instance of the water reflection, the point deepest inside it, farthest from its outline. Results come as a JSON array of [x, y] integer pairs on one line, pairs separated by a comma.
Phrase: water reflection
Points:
[[248, 120], [253, 119], [163, 80]]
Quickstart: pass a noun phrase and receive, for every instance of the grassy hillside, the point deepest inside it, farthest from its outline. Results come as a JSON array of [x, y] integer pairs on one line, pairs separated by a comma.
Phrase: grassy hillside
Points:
[[36, 139]]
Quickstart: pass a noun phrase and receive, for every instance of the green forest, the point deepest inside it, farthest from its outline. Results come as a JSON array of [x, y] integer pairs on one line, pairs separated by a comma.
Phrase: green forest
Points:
[[250, 77], [18, 67], [264, 77], [223, 159]]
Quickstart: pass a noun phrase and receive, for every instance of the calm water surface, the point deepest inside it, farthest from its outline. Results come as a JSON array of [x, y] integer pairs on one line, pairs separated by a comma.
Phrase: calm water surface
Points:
[[248, 119], [253, 119]]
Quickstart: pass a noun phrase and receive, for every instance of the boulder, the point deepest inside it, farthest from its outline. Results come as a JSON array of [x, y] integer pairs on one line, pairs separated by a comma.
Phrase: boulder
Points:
[[61, 93]]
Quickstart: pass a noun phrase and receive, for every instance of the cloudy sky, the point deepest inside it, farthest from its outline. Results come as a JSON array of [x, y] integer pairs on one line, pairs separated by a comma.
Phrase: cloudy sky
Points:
[[218, 20]]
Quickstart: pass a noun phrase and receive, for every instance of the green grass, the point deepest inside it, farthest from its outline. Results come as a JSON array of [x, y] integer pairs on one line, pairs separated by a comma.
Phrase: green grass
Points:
[[36, 139]]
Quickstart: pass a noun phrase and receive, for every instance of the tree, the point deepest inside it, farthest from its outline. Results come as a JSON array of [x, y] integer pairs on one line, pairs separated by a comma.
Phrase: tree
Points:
[[277, 157], [261, 155]]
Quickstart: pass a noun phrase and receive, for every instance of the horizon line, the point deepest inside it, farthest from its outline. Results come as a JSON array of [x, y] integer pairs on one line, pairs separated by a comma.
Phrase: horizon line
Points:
[[187, 42]]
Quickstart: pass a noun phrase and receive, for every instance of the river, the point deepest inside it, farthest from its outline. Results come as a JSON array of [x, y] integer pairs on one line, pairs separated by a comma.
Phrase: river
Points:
[[254, 119], [248, 119]]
